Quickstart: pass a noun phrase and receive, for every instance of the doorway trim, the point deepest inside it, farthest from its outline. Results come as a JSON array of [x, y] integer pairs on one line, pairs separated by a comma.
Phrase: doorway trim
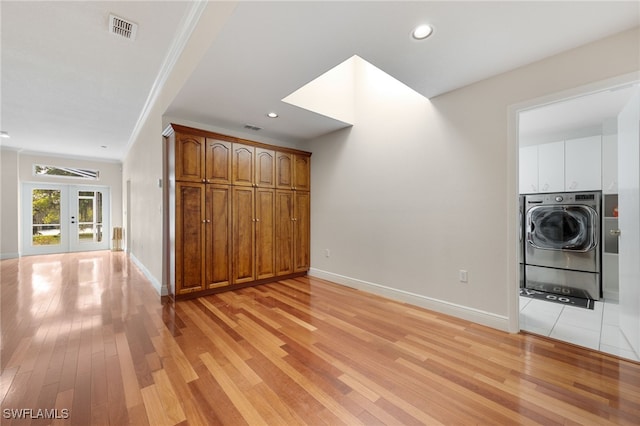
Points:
[[513, 112]]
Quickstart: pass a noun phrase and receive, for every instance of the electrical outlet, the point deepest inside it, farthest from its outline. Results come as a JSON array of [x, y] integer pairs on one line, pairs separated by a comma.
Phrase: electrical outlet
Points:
[[464, 276], [327, 253]]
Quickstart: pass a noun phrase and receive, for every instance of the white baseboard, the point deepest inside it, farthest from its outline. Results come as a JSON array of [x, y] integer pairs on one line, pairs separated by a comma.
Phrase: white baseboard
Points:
[[154, 282], [9, 256], [478, 316]]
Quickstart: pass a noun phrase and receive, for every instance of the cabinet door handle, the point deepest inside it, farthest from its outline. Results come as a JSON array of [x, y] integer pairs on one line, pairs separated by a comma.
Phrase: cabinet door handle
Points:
[[257, 220], [204, 221], [614, 232]]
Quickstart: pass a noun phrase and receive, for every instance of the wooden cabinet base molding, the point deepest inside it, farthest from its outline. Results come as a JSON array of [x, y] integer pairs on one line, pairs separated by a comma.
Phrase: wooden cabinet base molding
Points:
[[193, 295], [238, 212]]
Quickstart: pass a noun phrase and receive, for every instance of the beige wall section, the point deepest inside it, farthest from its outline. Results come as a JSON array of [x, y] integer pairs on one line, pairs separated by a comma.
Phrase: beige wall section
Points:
[[143, 167], [419, 190], [9, 247]]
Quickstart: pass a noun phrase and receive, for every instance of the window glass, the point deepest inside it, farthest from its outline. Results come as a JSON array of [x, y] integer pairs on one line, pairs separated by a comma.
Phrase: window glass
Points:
[[72, 172]]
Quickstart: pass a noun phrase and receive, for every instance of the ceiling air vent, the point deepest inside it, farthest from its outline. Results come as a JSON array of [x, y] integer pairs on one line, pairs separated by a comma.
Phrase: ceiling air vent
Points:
[[252, 127], [123, 28]]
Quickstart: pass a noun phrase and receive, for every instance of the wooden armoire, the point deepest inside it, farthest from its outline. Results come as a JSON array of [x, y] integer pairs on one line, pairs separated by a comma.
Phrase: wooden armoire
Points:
[[239, 212]]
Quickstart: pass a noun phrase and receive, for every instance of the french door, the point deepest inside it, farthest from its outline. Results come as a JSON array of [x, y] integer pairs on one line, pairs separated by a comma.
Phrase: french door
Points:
[[64, 218]]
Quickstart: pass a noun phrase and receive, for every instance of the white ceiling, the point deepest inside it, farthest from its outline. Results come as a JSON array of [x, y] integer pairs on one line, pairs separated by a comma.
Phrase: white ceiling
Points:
[[561, 118], [69, 87]]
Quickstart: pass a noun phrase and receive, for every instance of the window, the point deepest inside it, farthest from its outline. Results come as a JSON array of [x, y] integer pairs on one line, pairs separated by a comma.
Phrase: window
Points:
[[72, 172]]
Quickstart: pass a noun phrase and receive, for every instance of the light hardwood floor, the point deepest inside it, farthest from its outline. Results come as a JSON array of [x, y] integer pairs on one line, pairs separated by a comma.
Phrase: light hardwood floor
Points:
[[87, 333]]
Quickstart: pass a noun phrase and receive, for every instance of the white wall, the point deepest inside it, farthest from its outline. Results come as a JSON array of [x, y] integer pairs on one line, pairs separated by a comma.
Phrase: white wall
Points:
[[9, 245], [418, 190]]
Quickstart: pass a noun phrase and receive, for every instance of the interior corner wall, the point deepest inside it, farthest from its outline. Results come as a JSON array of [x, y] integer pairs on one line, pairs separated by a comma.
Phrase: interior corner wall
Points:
[[9, 202], [143, 165], [417, 191]]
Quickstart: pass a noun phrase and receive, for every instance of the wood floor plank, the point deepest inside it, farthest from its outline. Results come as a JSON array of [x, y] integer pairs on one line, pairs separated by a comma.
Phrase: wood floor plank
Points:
[[166, 345], [216, 335], [86, 332], [128, 372], [196, 413], [64, 401], [118, 411], [170, 402], [236, 395], [153, 406]]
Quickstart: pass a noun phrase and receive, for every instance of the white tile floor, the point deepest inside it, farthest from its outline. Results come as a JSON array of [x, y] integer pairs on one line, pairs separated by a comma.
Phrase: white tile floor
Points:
[[596, 329]]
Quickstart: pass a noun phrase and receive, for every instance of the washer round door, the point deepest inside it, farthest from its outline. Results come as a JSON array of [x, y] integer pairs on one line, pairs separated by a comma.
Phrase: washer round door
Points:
[[567, 228]]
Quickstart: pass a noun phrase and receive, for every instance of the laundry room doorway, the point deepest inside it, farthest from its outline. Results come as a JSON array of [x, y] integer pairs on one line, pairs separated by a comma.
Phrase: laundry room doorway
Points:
[[558, 140]]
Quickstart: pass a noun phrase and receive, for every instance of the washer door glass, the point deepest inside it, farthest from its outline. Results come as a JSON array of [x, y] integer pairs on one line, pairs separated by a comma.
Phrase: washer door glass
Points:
[[570, 228]]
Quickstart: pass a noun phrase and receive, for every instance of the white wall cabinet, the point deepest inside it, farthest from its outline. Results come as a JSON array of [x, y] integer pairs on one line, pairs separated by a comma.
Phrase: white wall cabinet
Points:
[[570, 165], [528, 169], [551, 167], [583, 164]]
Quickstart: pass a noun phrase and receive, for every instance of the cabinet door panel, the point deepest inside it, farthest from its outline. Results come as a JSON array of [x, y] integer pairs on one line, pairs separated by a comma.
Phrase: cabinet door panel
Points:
[[189, 237], [243, 235], [583, 164], [302, 231], [265, 233], [302, 173], [551, 167], [284, 232], [265, 168], [218, 236], [243, 165], [218, 161], [190, 155], [528, 169], [284, 170]]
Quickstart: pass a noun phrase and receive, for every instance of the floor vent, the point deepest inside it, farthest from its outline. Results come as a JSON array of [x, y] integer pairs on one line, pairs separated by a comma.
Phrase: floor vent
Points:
[[123, 28], [252, 127]]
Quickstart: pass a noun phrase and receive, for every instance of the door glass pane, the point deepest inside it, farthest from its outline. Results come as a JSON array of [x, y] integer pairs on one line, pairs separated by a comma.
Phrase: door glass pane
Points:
[[45, 210], [89, 216]]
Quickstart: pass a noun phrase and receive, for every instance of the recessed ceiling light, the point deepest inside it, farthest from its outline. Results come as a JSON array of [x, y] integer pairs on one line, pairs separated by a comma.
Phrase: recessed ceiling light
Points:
[[422, 31], [272, 115], [4, 134]]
